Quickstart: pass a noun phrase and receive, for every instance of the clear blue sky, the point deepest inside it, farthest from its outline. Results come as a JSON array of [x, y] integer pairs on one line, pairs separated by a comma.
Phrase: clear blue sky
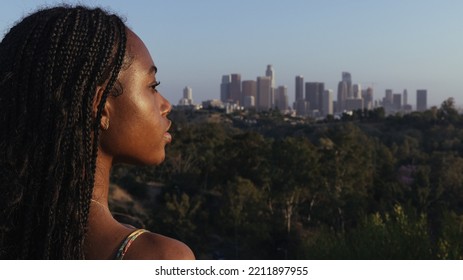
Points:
[[396, 44]]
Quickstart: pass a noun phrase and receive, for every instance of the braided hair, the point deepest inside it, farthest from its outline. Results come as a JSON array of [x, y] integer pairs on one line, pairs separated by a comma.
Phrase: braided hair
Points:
[[51, 64]]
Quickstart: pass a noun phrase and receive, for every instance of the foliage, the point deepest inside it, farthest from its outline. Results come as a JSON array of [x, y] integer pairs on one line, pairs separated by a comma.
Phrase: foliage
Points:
[[364, 187]]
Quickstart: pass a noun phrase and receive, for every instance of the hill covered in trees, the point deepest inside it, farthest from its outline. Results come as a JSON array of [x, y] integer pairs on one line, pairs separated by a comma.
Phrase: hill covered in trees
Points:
[[267, 186]]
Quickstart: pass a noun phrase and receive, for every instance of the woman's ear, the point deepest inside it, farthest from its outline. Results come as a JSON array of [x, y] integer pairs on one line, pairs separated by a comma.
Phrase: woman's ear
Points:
[[104, 122]]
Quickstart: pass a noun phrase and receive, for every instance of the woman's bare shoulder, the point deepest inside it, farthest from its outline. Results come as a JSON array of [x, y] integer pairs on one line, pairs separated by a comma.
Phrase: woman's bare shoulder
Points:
[[153, 246]]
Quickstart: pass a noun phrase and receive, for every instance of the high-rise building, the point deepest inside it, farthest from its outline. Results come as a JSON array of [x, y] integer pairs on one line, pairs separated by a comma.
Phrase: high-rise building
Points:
[[357, 91], [225, 88], [367, 96], [342, 96], [187, 97], [270, 73], [353, 104], [388, 101], [321, 90], [235, 88], [327, 103], [397, 101], [314, 95], [311, 95], [388, 97], [281, 98], [249, 88], [249, 102], [264, 93], [405, 97], [188, 93], [299, 88], [421, 100], [346, 77], [301, 107]]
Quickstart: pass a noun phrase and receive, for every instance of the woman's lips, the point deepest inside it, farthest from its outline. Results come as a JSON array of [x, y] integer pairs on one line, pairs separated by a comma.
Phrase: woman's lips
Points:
[[167, 137]]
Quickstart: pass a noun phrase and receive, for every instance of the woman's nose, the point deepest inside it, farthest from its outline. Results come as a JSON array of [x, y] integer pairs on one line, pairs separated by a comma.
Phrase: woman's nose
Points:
[[166, 107]]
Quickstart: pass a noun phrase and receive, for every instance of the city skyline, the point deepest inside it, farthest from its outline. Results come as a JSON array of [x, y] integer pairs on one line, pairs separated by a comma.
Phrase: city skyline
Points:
[[311, 98], [393, 44]]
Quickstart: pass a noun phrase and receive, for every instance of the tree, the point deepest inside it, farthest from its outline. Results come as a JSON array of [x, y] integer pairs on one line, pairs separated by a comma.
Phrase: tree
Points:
[[447, 111]]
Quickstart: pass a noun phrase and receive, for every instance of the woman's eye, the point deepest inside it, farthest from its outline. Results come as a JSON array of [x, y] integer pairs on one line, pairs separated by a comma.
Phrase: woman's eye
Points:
[[155, 85]]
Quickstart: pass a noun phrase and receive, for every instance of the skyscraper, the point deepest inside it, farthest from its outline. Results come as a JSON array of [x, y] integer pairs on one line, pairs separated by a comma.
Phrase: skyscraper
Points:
[[299, 88], [264, 93], [388, 101], [249, 88], [397, 101], [368, 98], [235, 88], [405, 97], [342, 96], [346, 77], [327, 103], [301, 107], [281, 98], [353, 104], [270, 73], [187, 97], [357, 91], [225, 88], [311, 95], [314, 95], [421, 100], [188, 93], [321, 90]]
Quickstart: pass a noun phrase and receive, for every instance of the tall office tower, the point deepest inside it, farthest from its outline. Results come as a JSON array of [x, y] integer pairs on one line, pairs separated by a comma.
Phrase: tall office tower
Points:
[[421, 100], [187, 97], [405, 97], [342, 96], [367, 96], [301, 107], [249, 102], [321, 90], [235, 88], [249, 88], [225, 88], [327, 103], [353, 104], [312, 95], [346, 77], [299, 88], [388, 97], [397, 101], [357, 91], [264, 93], [270, 73], [281, 98], [188, 93]]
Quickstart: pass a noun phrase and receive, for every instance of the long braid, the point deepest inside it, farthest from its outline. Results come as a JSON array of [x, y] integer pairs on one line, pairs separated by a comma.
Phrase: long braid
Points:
[[50, 66]]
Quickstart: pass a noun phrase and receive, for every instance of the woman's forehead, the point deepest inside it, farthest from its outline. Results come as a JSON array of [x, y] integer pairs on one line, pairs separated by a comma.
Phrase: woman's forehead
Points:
[[138, 53]]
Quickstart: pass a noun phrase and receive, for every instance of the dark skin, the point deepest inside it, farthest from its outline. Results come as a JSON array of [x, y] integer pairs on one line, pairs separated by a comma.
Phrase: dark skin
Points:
[[137, 134]]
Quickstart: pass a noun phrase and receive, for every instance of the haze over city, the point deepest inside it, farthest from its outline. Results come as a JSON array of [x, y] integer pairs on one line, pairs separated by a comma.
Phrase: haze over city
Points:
[[384, 44]]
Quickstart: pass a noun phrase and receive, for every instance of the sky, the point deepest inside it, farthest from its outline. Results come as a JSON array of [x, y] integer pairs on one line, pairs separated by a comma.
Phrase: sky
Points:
[[384, 44]]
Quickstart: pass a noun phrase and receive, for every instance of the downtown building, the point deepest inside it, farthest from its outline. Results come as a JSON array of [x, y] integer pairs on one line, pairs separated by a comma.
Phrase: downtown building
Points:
[[264, 100], [421, 100], [327, 103], [300, 104], [249, 91], [314, 97], [281, 99]]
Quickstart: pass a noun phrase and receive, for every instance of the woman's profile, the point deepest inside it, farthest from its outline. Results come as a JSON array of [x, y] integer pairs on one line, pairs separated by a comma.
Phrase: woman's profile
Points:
[[77, 95]]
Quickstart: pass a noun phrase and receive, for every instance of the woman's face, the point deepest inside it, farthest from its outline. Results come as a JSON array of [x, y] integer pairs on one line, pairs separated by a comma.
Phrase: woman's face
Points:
[[138, 121]]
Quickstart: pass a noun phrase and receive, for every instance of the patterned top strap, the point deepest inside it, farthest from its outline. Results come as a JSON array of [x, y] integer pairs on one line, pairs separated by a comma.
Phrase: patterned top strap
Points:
[[127, 242]]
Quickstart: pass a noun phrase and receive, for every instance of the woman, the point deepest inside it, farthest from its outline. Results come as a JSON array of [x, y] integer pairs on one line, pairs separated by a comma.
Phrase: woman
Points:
[[77, 95]]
